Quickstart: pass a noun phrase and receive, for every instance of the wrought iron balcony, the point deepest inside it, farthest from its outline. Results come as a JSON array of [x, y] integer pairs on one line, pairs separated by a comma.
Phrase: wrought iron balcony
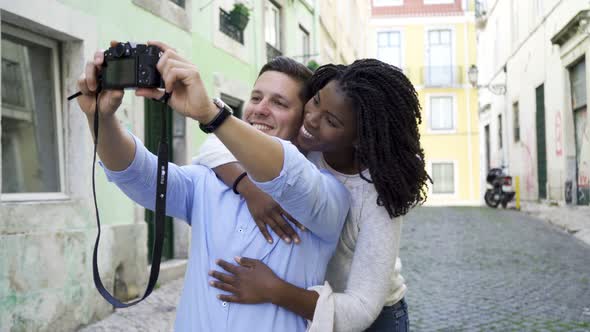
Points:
[[443, 76], [271, 52], [228, 28]]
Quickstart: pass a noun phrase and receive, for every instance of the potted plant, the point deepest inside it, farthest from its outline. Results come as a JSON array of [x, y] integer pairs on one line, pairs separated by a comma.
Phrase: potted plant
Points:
[[239, 16], [313, 65]]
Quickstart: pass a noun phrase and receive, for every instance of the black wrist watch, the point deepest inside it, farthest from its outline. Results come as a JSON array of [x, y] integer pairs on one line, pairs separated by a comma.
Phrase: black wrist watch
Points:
[[224, 112]]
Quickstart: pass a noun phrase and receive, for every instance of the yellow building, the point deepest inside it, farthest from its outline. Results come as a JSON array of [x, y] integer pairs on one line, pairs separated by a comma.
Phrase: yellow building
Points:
[[434, 43]]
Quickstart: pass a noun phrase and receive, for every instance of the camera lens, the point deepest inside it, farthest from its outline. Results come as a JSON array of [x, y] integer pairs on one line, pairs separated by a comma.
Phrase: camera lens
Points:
[[119, 50]]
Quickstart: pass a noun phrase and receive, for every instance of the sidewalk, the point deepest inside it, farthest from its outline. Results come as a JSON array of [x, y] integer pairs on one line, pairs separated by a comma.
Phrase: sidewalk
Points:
[[156, 313], [574, 219]]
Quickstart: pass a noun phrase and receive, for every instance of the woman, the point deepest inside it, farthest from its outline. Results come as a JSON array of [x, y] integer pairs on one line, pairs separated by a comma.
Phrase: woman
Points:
[[362, 126]]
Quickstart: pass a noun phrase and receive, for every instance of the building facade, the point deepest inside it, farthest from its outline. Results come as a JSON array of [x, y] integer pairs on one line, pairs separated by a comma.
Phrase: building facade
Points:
[[343, 29], [536, 125], [47, 221], [433, 42]]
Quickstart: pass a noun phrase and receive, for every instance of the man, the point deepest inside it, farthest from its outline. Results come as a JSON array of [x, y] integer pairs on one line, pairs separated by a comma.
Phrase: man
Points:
[[222, 226]]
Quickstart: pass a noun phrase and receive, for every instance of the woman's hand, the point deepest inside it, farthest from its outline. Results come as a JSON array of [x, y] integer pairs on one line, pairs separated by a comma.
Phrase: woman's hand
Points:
[[266, 212], [183, 80], [250, 282]]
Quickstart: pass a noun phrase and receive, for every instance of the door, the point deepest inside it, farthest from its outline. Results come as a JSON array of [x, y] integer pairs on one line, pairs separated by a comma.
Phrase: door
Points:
[[487, 152], [541, 143], [582, 134], [153, 119]]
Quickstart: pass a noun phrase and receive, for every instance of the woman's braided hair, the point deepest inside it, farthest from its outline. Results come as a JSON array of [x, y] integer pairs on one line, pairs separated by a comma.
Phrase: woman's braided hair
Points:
[[388, 114]]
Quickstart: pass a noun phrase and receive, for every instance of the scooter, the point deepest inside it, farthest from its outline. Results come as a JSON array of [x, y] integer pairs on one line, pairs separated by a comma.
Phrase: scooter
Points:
[[499, 188]]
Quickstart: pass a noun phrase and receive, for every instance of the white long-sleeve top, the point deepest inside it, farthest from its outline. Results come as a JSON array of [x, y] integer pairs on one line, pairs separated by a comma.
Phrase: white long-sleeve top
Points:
[[363, 276]]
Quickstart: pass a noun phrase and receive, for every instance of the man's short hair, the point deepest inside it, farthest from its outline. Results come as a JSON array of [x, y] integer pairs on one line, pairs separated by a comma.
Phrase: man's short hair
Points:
[[295, 70]]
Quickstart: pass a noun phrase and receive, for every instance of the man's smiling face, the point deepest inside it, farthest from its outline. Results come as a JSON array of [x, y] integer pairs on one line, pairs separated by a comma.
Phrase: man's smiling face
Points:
[[274, 106]]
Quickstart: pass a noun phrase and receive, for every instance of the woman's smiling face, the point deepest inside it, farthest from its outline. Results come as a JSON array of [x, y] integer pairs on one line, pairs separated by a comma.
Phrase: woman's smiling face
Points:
[[274, 106], [329, 122]]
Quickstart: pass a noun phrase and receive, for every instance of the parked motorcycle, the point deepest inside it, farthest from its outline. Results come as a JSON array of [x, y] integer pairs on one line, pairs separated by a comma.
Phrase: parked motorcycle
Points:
[[499, 188]]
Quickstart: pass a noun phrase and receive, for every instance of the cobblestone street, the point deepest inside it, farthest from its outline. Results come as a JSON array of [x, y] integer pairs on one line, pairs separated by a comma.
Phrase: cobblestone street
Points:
[[467, 269], [481, 269]]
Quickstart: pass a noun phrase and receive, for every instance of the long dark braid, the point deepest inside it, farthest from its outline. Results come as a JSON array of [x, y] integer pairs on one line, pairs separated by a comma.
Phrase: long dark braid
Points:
[[388, 115]]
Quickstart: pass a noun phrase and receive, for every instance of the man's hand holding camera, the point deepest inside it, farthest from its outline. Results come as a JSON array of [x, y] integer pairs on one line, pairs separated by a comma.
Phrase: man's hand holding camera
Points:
[[183, 80], [88, 84]]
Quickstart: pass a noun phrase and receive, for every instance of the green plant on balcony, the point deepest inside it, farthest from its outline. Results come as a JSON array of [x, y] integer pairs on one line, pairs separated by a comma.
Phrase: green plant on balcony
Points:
[[239, 16]]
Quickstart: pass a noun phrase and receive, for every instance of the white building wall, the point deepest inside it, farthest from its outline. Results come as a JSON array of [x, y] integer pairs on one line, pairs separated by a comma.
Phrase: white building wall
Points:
[[530, 60]]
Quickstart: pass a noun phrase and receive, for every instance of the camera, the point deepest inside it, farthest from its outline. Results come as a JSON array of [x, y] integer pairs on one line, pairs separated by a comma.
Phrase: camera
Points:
[[129, 65]]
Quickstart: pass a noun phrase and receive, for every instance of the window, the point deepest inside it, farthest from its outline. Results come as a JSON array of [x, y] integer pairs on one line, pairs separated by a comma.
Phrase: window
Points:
[[578, 85], [177, 12], [516, 120], [389, 47], [499, 131], [272, 25], [236, 104], [179, 3], [438, 2], [305, 44], [228, 28], [385, 3], [272, 30], [440, 58], [443, 176], [31, 123], [441, 113]]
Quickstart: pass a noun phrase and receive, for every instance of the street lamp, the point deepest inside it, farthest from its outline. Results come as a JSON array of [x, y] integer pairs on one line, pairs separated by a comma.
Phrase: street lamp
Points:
[[473, 73]]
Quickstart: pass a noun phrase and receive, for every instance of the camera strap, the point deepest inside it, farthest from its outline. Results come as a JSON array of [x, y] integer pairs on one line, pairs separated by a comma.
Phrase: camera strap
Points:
[[162, 178]]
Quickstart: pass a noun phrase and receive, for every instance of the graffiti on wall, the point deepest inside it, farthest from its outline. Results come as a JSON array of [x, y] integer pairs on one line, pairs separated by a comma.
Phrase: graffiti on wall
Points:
[[529, 176], [558, 135]]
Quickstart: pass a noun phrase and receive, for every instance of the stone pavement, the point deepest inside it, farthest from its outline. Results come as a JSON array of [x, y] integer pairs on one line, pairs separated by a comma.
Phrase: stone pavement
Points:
[[467, 269], [484, 269], [154, 314], [572, 218]]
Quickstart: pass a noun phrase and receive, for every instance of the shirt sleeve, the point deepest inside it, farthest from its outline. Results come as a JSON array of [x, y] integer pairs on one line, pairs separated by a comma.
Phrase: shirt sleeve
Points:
[[138, 182], [315, 198], [370, 280], [213, 153]]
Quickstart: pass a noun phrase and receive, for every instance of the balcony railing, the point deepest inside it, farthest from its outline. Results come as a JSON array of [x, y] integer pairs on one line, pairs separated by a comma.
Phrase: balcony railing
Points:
[[226, 26], [442, 76], [271, 52]]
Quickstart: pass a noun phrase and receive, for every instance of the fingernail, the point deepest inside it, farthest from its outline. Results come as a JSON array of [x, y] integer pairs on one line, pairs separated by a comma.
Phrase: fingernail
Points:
[[238, 258], [269, 241], [211, 283], [211, 273], [217, 261], [297, 240], [288, 240], [219, 297], [302, 228]]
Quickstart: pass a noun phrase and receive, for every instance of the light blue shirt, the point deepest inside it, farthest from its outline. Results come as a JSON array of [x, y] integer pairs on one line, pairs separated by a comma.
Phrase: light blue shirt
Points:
[[223, 228]]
